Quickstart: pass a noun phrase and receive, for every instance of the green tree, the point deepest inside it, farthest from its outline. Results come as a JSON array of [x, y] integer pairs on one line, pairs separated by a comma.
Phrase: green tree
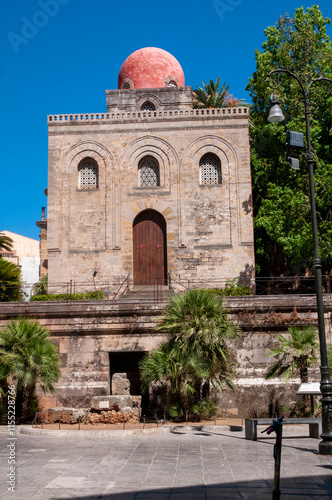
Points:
[[10, 282], [281, 196], [210, 96], [6, 243], [169, 363], [296, 354], [28, 357], [197, 352]]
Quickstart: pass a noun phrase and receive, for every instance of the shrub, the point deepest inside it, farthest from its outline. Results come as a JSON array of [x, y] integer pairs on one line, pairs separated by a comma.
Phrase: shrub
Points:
[[232, 289], [67, 296], [206, 408], [40, 288]]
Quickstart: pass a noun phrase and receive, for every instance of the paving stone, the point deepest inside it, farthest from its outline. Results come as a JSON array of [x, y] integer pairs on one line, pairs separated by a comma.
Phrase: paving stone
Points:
[[167, 467]]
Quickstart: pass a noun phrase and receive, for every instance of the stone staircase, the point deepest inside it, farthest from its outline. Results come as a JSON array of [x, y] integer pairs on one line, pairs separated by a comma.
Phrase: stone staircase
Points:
[[158, 293]]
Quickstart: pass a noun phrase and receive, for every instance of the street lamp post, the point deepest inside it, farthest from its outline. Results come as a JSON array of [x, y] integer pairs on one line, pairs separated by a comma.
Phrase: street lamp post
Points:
[[325, 446]]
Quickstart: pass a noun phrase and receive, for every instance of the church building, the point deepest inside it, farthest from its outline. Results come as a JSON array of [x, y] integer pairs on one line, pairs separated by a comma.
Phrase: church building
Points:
[[150, 186]]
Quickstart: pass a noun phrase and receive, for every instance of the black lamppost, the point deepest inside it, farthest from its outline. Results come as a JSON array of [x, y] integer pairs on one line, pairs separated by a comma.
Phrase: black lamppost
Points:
[[325, 446]]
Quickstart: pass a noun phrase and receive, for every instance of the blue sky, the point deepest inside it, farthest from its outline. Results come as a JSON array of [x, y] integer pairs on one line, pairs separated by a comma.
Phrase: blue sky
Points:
[[59, 56]]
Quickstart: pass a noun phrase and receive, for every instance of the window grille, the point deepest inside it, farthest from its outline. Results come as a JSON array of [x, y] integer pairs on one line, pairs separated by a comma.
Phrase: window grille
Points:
[[172, 84], [126, 85], [148, 106], [88, 174], [210, 169], [149, 172]]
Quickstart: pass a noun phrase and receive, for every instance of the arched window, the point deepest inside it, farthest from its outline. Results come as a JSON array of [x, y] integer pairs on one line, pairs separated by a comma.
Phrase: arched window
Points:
[[126, 85], [209, 169], [88, 174], [148, 106], [148, 172], [172, 83]]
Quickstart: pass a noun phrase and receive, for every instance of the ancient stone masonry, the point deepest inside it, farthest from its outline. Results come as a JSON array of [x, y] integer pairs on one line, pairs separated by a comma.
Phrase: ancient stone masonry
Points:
[[150, 186], [94, 338]]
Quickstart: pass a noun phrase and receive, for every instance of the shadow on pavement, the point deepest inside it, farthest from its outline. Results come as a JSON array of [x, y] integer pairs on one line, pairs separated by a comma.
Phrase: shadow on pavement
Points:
[[292, 488]]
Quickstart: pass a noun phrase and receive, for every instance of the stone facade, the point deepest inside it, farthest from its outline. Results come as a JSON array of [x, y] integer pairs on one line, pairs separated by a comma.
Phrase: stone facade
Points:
[[208, 225]]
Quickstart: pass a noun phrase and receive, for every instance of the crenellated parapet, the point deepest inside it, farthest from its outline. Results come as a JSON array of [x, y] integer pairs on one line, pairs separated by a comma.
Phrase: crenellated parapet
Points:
[[240, 111]]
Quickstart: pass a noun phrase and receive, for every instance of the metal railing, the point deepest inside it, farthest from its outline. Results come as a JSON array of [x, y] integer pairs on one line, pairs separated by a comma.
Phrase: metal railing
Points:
[[124, 285], [246, 286]]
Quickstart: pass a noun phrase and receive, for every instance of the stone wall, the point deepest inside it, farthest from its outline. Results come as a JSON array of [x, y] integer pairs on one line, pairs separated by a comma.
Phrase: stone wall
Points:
[[86, 332]]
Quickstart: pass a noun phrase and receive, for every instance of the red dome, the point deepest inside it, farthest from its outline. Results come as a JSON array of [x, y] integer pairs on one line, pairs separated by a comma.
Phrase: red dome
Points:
[[150, 68]]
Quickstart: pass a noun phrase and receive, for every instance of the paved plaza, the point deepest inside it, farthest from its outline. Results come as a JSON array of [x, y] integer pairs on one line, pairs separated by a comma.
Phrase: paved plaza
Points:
[[185, 464]]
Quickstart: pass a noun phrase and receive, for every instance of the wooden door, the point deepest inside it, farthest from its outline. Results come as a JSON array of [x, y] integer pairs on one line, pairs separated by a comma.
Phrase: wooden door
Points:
[[149, 240]]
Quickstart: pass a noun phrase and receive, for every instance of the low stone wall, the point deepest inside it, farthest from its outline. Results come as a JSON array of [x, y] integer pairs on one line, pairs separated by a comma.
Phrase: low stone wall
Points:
[[87, 331]]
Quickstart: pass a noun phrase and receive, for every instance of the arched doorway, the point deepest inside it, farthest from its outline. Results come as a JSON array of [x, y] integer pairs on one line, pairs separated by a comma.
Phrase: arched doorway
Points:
[[149, 248]]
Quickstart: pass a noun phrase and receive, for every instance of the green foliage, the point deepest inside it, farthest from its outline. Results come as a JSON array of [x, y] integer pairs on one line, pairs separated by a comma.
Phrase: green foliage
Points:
[[6, 243], [68, 296], [206, 408], [282, 218], [40, 288], [10, 282], [296, 353], [210, 96], [197, 352], [232, 289], [28, 357]]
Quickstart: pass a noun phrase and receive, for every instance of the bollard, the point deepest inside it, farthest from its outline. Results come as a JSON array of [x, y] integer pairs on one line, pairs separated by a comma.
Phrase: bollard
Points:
[[277, 428]]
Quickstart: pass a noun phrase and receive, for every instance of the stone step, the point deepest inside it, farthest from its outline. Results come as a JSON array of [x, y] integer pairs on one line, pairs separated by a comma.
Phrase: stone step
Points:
[[140, 292]]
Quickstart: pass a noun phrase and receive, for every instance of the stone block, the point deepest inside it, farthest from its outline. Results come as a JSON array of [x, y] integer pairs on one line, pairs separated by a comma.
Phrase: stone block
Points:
[[111, 402], [120, 384]]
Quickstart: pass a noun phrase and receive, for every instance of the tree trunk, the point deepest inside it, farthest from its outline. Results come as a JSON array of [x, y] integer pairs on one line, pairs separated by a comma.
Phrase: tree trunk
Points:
[[304, 377], [27, 401]]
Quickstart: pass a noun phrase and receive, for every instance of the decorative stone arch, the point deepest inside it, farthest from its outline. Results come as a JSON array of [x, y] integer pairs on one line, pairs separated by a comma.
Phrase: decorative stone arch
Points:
[[157, 148], [229, 170], [169, 79], [149, 248], [92, 149], [149, 203], [211, 144], [127, 84], [148, 97], [106, 186]]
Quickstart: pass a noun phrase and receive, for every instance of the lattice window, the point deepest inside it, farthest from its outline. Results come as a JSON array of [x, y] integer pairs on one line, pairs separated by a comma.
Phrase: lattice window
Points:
[[210, 169], [172, 84], [126, 85], [148, 169], [88, 174], [148, 106]]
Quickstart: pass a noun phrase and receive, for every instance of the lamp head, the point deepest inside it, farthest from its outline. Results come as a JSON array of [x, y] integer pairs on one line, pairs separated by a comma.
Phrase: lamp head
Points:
[[275, 114]]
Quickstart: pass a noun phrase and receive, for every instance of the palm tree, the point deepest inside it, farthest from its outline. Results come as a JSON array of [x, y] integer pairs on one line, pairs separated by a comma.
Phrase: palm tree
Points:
[[296, 354], [209, 96], [197, 351], [10, 281], [6, 243], [199, 323], [29, 357], [168, 363]]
